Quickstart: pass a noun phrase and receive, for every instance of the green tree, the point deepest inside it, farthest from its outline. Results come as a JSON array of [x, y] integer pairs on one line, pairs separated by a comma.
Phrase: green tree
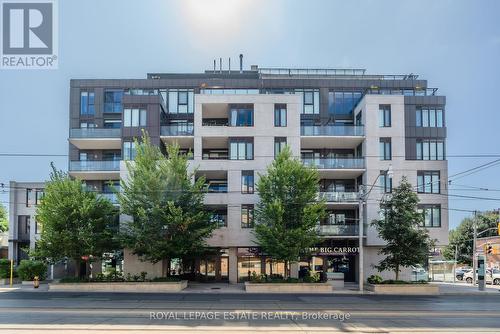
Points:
[[4, 223], [288, 212], [168, 216], [407, 243], [461, 238], [76, 222]]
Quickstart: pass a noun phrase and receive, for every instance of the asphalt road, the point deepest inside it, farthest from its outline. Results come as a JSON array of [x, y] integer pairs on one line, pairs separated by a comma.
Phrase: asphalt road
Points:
[[61, 312]]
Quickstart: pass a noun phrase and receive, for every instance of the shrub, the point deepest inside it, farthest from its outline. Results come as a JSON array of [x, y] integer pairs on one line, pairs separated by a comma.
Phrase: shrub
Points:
[[374, 279], [72, 279], [28, 269], [4, 268]]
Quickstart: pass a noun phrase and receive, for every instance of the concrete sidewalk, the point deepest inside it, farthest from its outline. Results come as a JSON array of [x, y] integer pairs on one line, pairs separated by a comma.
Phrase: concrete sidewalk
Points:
[[446, 288]]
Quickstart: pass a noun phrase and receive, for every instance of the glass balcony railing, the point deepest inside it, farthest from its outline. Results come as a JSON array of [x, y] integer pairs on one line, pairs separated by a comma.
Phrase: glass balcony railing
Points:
[[94, 165], [95, 133], [334, 163], [112, 197], [177, 130], [340, 230], [332, 130], [339, 196]]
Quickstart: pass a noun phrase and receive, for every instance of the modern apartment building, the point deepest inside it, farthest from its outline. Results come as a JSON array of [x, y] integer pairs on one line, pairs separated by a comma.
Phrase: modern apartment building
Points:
[[362, 132]]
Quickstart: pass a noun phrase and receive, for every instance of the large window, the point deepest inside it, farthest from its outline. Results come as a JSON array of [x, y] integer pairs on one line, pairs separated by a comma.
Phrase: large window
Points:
[[384, 115], [129, 150], [430, 150], [247, 215], [241, 115], [385, 182], [429, 117], [279, 144], [34, 196], [428, 182], [180, 101], [219, 218], [280, 115], [87, 101], [342, 103], [432, 214], [241, 148], [385, 148], [310, 101], [247, 181], [134, 117], [113, 101]]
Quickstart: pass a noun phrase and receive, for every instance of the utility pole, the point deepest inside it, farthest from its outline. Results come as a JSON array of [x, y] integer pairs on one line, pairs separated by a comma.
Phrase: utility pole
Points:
[[455, 265], [474, 264], [360, 237]]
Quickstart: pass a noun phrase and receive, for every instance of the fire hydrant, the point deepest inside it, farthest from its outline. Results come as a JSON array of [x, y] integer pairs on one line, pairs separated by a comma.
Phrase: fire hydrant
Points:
[[36, 282]]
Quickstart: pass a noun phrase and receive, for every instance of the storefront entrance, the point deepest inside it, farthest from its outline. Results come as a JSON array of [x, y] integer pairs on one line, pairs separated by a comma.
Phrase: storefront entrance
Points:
[[213, 268]]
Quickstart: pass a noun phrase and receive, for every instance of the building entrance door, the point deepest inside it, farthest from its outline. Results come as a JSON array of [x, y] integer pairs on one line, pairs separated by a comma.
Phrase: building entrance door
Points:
[[342, 264]]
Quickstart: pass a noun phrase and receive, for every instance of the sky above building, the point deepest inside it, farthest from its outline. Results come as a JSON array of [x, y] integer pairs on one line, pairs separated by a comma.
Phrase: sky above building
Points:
[[455, 45]]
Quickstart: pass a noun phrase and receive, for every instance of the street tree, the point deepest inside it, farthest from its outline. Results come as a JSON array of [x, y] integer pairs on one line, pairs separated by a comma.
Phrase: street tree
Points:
[[407, 242], [288, 211], [461, 238], [165, 205], [76, 223], [4, 223]]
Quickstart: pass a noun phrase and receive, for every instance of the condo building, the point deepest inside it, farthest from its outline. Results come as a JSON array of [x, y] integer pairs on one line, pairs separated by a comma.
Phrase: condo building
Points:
[[362, 132]]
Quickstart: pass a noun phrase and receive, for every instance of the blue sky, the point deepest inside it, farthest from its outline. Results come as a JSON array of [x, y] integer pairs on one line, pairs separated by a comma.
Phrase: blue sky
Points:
[[455, 45]]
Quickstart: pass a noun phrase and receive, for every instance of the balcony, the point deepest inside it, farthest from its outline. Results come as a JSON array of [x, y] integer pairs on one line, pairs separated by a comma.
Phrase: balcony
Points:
[[340, 230], [339, 197], [332, 130], [335, 163], [95, 138], [177, 130], [95, 169], [112, 197]]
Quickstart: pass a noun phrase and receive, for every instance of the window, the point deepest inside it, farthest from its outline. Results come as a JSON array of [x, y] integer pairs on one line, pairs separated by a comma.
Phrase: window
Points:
[[279, 144], [247, 181], [429, 117], [113, 101], [87, 106], [385, 149], [129, 150], [280, 115], [87, 125], [384, 115], [385, 182], [428, 182], [310, 101], [247, 215], [219, 218], [38, 226], [134, 117], [432, 214], [112, 123], [30, 197], [180, 101], [39, 196], [241, 115], [430, 150], [241, 148], [342, 103]]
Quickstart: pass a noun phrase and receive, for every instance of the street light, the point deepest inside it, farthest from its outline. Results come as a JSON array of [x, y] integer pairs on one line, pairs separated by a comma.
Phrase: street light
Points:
[[362, 200]]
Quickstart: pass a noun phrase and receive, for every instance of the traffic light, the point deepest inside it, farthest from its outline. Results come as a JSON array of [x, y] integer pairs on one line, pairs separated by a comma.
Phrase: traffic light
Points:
[[498, 226], [489, 249]]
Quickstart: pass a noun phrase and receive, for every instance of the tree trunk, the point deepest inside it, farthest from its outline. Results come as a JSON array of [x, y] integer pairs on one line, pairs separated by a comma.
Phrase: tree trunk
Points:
[[77, 268], [165, 267], [397, 272]]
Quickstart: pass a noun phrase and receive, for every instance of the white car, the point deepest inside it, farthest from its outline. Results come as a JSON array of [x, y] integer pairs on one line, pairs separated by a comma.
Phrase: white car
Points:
[[492, 276]]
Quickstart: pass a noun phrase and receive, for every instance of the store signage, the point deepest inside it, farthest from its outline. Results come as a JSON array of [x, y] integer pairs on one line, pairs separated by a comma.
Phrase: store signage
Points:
[[334, 250]]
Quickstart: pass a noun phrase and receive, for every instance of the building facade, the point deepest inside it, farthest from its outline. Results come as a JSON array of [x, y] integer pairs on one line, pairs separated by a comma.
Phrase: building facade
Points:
[[362, 132]]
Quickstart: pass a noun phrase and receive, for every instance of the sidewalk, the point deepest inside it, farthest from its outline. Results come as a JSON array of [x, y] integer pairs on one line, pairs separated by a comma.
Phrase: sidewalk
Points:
[[448, 288]]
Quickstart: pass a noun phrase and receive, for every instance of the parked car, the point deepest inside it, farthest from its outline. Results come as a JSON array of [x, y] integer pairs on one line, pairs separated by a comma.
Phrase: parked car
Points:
[[460, 272], [488, 277]]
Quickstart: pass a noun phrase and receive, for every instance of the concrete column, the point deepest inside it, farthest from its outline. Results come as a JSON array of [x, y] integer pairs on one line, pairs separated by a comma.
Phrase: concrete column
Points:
[[233, 265], [294, 270]]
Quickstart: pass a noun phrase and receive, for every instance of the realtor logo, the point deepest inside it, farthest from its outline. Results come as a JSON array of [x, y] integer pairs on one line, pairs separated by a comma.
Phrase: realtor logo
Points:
[[29, 34]]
